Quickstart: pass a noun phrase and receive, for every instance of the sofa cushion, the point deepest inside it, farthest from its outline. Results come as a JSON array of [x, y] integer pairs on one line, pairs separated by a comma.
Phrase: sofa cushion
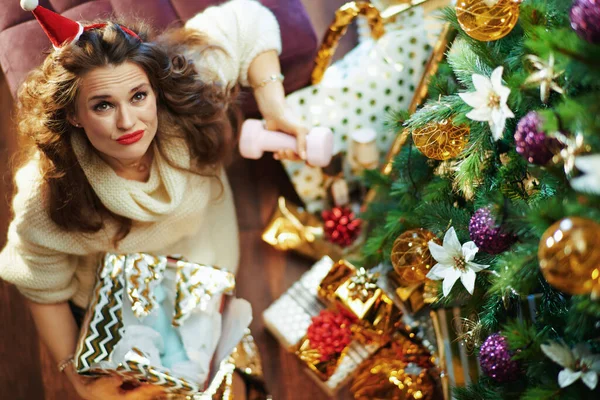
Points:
[[23, 44]]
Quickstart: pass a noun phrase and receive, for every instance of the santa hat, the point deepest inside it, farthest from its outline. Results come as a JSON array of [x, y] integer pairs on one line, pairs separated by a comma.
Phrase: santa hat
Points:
[[60, 30]]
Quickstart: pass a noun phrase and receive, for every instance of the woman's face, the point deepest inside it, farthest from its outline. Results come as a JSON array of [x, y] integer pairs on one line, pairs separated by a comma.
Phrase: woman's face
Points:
[[116, 107]]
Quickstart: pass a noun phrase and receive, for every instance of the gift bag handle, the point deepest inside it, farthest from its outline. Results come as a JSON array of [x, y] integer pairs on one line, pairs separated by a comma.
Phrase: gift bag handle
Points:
[[339, 26]]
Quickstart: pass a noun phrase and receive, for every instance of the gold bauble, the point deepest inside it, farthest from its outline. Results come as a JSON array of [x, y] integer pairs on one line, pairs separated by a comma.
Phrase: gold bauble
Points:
[[569, 255], [441, 140], [410, 256], [487, 20]]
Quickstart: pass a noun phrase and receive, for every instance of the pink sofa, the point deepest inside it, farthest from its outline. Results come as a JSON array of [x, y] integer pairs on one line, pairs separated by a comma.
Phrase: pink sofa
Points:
[[23, 45]]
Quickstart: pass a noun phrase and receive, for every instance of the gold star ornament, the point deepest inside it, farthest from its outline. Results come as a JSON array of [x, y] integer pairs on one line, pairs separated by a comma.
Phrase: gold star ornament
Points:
[[544, 76]]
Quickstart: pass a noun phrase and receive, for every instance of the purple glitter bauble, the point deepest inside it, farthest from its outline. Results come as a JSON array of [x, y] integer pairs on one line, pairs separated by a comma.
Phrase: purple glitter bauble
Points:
[[487, 234], [585, 19], [532, 143], [495, 359]]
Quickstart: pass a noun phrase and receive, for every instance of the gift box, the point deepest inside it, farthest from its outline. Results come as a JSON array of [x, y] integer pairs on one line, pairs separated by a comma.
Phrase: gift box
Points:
[[163, 321], [403, 369], [340, 295], [292, 228]]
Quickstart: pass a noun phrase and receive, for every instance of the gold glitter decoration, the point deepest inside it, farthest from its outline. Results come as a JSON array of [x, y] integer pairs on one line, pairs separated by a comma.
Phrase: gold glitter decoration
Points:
[[441, 140], [487, 20], [569, 255], [410, 256], [468, 331], [388, 375]]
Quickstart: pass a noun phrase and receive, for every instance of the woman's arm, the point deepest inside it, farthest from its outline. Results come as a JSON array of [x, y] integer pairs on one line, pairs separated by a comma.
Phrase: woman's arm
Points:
[[270, 98], [249, 34], [57, 329]]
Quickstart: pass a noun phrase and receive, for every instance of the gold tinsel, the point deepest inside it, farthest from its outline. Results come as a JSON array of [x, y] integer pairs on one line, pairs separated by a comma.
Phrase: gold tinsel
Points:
[[401, 371], [441, 140], [569, 255], [487, 20]]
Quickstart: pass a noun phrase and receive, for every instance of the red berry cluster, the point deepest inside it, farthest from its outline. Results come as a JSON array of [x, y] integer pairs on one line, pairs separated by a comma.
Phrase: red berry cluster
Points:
[[341, 226], [330, 333]]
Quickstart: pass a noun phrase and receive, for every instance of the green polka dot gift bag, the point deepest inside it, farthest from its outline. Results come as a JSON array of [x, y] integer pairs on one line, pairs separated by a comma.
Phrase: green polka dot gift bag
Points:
[[355, 95]]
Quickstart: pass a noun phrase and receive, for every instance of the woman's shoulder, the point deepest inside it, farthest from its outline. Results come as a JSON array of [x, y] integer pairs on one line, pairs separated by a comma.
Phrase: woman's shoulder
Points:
[[29, 188]]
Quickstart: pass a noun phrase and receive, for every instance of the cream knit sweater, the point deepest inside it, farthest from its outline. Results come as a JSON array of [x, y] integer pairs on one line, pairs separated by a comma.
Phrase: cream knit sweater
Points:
[[174, 212]]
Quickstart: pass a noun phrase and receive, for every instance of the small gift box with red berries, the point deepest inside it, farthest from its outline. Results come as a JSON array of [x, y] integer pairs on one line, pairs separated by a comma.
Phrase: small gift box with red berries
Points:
[[334, 232], [333, 318]]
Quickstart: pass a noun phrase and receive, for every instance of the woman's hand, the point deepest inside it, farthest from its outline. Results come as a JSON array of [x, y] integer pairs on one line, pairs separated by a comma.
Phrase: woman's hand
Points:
[[289, 123], [109, 388], [94, 388]]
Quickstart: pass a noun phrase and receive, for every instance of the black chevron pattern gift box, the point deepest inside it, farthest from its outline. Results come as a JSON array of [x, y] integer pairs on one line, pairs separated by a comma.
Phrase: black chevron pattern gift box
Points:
[[163, 321]]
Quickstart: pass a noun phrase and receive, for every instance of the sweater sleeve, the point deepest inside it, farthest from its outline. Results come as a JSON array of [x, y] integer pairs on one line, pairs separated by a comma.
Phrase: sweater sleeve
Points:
[[243, 29], [29, 261]]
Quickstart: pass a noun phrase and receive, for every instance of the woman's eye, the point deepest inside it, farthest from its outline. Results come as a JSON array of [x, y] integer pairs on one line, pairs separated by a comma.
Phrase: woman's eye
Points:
[[139, 96], [102, 106]]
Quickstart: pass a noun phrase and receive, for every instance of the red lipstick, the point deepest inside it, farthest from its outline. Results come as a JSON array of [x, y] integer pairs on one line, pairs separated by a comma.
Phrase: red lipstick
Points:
[[131, 138]]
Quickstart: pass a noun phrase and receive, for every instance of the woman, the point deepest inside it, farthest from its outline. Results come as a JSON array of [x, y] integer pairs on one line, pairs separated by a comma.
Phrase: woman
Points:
[[130, 140]]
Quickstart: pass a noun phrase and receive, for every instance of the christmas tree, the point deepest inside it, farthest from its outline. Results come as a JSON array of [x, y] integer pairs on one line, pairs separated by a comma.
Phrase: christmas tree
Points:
[[500, 178]]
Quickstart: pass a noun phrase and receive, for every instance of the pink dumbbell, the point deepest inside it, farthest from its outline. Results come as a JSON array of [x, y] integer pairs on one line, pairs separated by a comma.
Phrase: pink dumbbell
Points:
[[255, 140]]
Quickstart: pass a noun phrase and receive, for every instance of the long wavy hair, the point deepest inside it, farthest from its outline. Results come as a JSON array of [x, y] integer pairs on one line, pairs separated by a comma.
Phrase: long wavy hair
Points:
[[190, 105]]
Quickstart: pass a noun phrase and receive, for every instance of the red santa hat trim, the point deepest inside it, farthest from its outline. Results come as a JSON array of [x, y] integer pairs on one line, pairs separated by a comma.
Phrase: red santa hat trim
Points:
[[59, 29]]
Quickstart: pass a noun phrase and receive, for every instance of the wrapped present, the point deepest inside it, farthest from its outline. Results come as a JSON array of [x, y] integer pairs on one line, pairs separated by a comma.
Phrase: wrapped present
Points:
[[163, 321], [294, 229], [333, 318], [357, 291], [402, 370], [457, 335]]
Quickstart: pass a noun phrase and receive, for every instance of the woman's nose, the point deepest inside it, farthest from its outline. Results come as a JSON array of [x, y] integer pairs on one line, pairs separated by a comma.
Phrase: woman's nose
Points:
[[125, 118]]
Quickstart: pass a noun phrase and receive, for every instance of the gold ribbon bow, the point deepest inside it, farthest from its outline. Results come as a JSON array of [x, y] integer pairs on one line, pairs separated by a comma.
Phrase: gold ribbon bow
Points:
[[143, 273], [293, 229], [196, 284]]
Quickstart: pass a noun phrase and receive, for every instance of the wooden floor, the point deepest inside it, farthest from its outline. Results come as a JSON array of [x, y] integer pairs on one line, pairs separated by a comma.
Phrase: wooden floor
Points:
[[27, 373]]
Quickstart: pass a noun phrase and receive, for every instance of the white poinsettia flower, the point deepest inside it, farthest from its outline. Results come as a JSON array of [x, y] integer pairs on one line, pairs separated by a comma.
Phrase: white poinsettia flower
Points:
[[578, 363], [489, 102], [454, 261], [589, 182]]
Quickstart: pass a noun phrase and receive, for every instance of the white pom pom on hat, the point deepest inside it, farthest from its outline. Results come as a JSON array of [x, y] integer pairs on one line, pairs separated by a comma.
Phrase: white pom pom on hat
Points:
[[29, 5]]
